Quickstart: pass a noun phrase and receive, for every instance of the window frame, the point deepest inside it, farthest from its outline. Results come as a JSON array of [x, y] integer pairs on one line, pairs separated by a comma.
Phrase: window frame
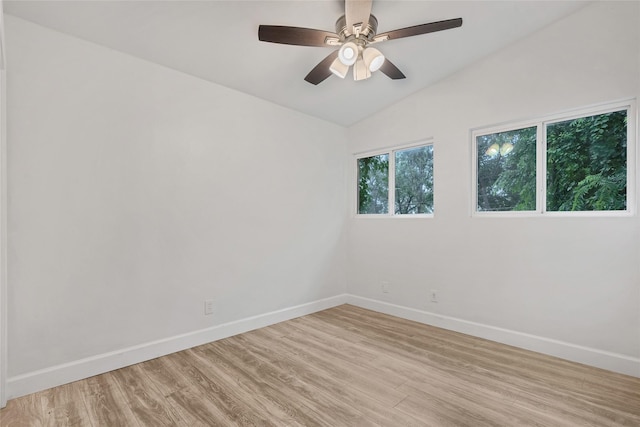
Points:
[[392, 180], [541, 161]]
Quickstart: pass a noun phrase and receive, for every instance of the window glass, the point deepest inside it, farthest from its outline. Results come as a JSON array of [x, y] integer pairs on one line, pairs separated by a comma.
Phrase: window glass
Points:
[[506, 170], [587, 163], [414, 180], [373, 184]]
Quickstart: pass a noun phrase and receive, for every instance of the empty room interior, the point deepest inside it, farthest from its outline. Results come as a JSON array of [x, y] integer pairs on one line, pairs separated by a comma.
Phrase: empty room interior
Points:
[[319, 213]]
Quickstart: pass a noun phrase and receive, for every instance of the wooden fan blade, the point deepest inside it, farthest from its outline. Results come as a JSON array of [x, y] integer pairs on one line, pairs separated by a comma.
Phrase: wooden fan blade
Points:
[[421, 29], [321, 71], [391, 70], [294, 35], [356, 12]]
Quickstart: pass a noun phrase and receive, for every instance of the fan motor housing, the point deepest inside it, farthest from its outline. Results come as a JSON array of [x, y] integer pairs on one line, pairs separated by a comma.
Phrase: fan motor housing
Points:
[[368, 31]]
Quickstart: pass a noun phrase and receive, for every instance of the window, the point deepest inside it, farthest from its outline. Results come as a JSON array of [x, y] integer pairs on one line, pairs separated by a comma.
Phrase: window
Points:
[[587, 163], [373, 184], [398, 181], [569, 163], [507, 170]]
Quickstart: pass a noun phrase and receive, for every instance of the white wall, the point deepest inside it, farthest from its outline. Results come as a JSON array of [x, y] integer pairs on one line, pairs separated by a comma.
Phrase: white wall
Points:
[[136, 192], [567, 281]]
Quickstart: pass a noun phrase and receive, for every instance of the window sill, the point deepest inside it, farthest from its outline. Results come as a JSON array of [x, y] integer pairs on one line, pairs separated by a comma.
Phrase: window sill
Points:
[[386, 216]]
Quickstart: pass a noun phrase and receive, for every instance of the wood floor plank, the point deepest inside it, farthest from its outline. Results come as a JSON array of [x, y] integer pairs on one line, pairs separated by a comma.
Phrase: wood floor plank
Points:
[[166, 379], [414, 350], [344, 343], [265, 411], [64, 406], [196, 410], [561, 371], [469, 405], [326, 408], [369, 381], [558, 379], [69, 414], [146, 403], [391, 368], [247, 371], [105, 403], [228, 407], [332, 385], [24, 411], [263, 398], [345, 366]]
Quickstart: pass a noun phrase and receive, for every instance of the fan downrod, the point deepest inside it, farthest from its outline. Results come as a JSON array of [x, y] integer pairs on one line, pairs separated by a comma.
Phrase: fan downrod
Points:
[[369, 30]]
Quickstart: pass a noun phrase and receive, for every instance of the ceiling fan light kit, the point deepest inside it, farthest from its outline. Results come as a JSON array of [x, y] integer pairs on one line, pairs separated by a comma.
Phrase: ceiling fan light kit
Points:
[[348, 53], [355, 31], [361, 71], [338, 68], [373, 58]]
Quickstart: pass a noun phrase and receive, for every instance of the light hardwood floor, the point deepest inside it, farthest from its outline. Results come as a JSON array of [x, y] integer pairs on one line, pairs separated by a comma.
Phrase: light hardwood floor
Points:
[[341, 367]]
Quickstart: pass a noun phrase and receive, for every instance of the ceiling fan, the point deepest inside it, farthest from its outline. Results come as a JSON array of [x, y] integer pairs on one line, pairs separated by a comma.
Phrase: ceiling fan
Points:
[[355, 33]]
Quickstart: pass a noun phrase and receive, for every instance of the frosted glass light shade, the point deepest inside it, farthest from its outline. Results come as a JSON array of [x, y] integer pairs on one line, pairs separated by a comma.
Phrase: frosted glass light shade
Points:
[[338, 68], [373, 58], [348, 53], [360, 70]]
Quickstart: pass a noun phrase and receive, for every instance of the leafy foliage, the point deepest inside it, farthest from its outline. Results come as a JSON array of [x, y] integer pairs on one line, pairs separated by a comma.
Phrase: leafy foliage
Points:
[[586, 166], [414, 181], [373, 184], [507, 180], [587, 163]]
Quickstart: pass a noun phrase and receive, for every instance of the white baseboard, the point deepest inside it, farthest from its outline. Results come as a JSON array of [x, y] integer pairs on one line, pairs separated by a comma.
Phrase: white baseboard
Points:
[[589, 356], [62, 374]]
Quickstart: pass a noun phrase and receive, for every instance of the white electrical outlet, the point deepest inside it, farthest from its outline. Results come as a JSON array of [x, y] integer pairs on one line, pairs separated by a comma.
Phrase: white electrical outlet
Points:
[[208, 306], [384, 286], [434, 295]]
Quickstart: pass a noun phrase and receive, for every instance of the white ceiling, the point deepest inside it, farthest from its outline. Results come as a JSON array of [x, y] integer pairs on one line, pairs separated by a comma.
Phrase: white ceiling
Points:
[[218, 41]]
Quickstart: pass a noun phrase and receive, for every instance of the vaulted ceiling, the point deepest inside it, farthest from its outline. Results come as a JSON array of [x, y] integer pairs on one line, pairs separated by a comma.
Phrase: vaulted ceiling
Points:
[[218, 41]]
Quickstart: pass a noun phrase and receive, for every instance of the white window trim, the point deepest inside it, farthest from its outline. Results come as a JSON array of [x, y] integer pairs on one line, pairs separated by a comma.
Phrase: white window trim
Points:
[[392, 180], [541, 159]]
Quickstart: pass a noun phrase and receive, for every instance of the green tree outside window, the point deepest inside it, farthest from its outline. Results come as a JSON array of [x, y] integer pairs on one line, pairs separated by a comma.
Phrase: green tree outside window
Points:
[[507, 171], [587, 163], [373, 184], [414, 181], [586, 166]]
